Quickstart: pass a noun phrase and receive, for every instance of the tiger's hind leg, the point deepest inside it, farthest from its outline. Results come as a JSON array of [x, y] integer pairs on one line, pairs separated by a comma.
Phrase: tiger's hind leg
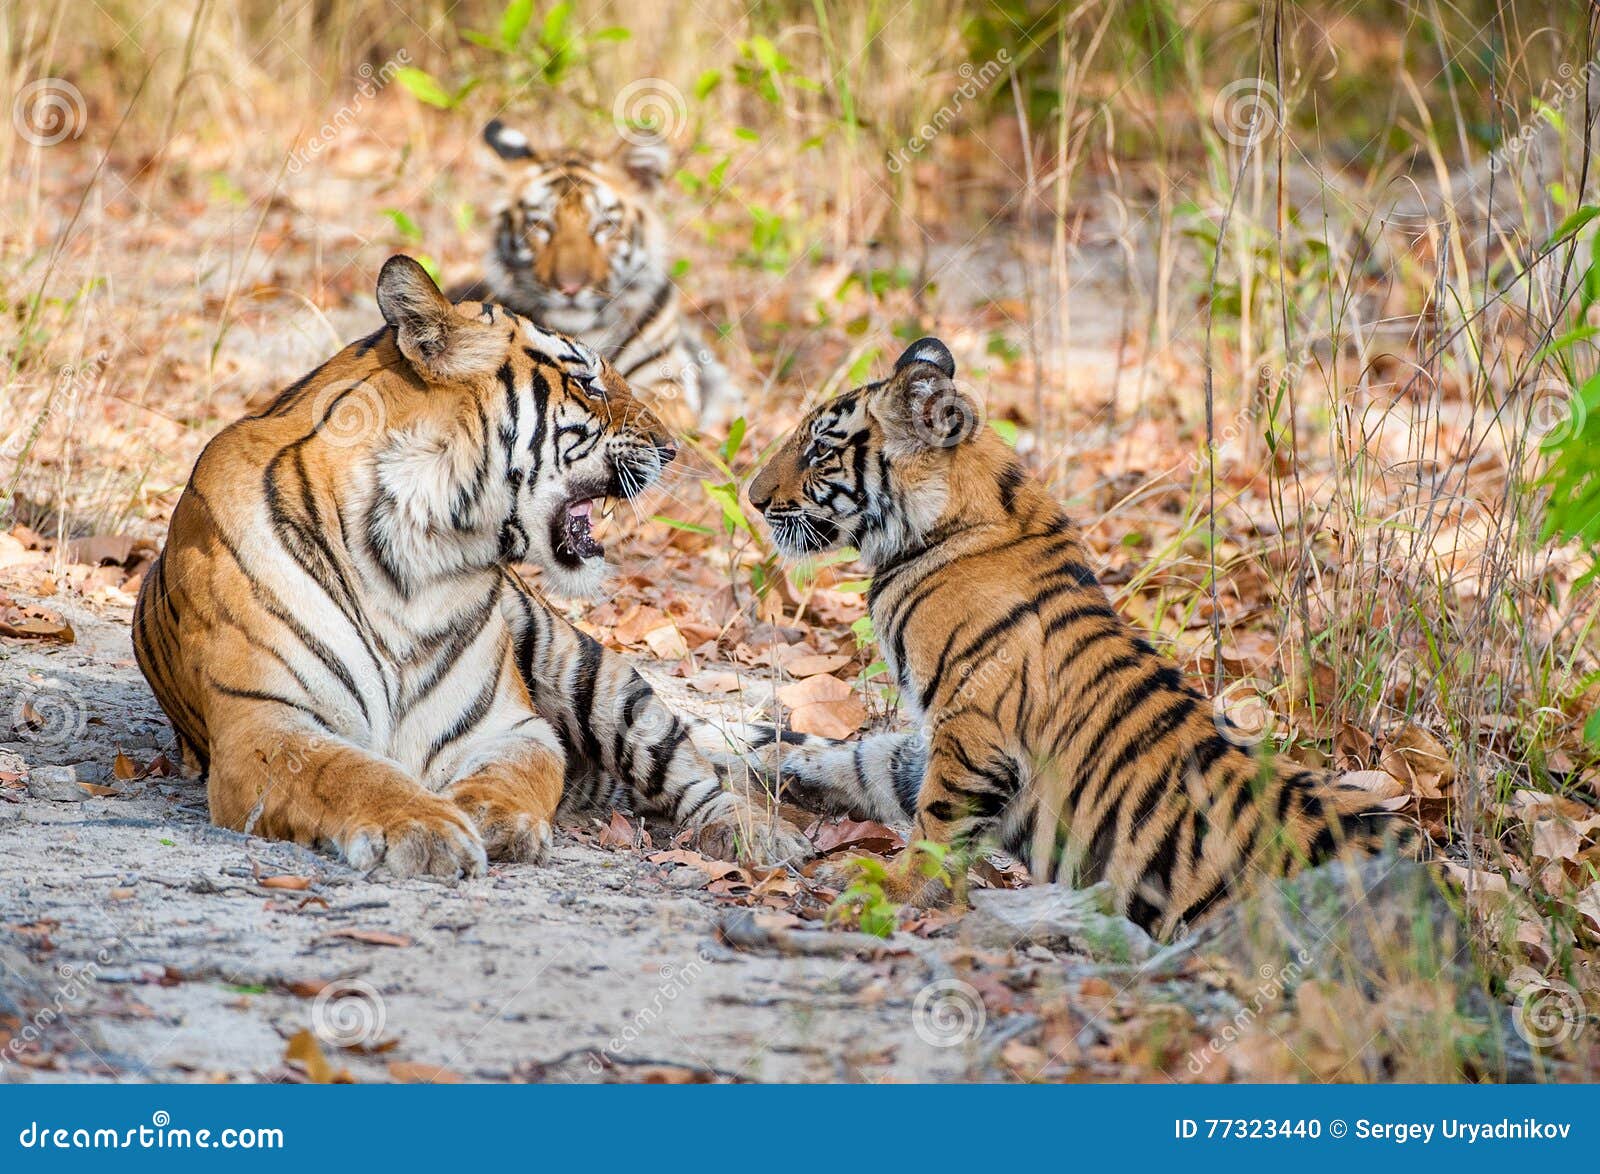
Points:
[[970, 779]]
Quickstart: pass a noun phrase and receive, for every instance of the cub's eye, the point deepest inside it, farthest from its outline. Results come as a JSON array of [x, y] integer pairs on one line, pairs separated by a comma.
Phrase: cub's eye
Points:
[[607, 229], [813, 455]]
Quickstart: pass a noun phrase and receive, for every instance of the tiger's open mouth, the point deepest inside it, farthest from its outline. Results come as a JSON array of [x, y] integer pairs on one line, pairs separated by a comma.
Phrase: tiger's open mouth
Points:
[[571, 526], [571, 529]]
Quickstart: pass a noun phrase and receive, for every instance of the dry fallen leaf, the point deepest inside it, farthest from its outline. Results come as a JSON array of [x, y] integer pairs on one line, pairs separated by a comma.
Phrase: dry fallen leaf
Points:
[[813, 690], [294, 883], [100, 548], [123, 767], [811, 666], [1588, 904], [1418, 758], [1562, 839], [412, 1072], [715, 869], [27, 622], [830, 835], [631, 629], [829, 719], [372, 937], [714, 681], [671, 1074], [1477, 880], [667, 642], [305, 1053], [618, 833], [1388, 792]]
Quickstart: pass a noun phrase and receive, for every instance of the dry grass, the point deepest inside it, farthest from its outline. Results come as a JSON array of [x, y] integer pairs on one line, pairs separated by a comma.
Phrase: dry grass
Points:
[[1341, 291]]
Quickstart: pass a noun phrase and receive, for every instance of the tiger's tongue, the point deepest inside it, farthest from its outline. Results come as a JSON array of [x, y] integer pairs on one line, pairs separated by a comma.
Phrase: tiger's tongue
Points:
[[579, 537]]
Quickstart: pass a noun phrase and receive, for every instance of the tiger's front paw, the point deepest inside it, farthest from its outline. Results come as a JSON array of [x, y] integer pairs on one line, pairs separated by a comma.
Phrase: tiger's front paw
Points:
[[513, 812], [418, 835], [729, 828]]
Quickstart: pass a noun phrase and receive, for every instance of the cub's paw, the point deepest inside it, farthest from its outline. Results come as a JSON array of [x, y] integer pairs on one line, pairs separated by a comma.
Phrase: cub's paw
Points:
[[512, 813], [729, 828], [420, 835], [902, 882]]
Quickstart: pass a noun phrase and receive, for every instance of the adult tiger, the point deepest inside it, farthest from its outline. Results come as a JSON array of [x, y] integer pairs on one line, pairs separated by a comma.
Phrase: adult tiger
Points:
[[577, 246], [335, 634], [1044, 719]]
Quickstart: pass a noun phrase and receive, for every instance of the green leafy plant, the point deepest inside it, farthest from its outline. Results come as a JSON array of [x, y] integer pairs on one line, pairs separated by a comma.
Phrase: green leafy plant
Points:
[[1573, 473], [426, 88], [410, 235], [863, 903]]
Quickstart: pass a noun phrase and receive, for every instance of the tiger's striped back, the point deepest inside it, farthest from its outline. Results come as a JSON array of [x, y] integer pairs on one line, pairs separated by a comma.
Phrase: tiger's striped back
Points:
[[1041, 718]]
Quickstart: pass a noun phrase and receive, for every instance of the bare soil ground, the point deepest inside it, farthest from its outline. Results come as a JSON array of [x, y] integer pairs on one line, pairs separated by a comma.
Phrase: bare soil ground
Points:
[[143, 943], [174, 962]]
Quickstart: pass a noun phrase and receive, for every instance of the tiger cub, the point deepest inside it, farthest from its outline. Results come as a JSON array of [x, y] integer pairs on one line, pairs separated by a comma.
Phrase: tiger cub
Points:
[[335, 633], [1043, 720], [577, 246]]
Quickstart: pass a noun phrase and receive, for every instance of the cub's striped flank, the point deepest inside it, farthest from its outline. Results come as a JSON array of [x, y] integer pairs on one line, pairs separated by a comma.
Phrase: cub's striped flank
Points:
[[1041, 720]]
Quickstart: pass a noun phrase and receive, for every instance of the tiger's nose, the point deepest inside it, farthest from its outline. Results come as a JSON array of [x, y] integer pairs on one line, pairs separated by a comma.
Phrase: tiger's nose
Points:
[[571, 288], [759, 499]]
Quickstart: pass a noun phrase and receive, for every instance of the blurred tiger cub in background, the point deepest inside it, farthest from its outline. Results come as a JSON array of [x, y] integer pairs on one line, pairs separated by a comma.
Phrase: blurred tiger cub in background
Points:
[[577, 246]]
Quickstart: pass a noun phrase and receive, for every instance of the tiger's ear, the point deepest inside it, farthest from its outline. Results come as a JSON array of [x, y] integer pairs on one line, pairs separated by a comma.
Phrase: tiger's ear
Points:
[[507, 142], [920, 407], [439, 343], [645, 158]]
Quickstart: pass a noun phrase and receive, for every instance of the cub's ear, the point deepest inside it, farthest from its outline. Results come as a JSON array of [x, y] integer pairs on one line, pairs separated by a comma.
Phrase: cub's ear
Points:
[[645, 158], [439, 343], [931, 351], [507, 142], [920, 407]]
